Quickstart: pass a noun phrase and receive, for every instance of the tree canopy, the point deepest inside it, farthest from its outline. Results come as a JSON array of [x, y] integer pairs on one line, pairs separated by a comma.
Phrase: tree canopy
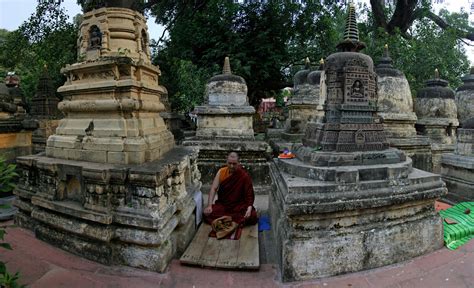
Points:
[[45, 39], [267, 42]]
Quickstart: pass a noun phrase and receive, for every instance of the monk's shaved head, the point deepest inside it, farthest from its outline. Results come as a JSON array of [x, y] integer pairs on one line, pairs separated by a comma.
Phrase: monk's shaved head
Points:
[[233, 155], [232, 161]]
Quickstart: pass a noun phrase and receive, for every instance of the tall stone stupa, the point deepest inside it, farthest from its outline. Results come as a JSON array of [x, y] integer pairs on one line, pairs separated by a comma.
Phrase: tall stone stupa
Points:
[[112, 187], [348, 202]]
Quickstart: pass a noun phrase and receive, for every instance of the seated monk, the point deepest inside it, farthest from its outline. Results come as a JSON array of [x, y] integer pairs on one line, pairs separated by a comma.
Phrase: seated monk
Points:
[[235, 194]]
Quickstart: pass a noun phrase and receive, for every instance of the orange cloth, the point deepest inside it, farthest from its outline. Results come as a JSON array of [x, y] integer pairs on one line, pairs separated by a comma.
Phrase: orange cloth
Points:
[[224, 173]]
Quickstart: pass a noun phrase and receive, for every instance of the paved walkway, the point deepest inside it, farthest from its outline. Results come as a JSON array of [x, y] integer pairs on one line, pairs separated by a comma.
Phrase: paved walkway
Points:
[[42, 265]]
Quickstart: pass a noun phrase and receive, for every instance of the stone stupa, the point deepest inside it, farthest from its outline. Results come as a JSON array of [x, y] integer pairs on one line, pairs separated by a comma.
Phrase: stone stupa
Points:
[[305, 107], [111, 187], [225, 124], [44, 113], [437, 118], [348, 202], [465, 97], [457, 169], [395, 108]]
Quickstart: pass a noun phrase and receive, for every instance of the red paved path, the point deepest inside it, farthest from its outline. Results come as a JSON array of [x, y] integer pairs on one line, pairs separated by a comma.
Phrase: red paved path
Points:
[[42, 265]]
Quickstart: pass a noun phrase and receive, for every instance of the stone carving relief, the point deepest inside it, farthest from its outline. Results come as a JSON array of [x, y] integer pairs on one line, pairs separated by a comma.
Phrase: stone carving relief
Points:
[[95, 38]]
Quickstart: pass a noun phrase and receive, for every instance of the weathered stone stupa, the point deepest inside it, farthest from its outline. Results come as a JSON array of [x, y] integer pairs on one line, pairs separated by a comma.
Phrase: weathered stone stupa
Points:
[[437, 118], [44, 112], [15, 138], [224, 124], [305, 103], [457, 168], [305, 106], [465, 97], [395, 106], [348, 202], [111, 187]]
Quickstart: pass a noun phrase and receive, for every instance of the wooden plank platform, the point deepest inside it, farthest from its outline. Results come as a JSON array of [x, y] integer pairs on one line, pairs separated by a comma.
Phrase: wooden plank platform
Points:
[[207, 251]]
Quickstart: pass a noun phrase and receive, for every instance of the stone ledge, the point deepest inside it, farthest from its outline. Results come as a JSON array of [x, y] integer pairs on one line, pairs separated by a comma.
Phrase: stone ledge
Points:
[[458, 161]]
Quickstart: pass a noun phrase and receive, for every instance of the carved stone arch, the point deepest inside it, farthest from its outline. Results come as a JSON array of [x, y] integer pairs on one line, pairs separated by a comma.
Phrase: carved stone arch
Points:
[[144, 41], [95, 37]]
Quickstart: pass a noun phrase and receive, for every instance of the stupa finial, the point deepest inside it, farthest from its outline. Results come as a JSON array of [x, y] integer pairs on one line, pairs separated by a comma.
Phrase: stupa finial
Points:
[[436, 72], [307, 63], [350, 40], [385, 51], [226, 68]]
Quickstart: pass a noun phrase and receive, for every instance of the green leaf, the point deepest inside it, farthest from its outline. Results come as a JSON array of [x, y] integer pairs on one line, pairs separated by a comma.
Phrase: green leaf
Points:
[[6, 246]]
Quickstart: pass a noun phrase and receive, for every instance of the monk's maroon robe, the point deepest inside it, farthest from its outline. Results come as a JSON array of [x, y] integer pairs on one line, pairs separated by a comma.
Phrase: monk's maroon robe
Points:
[[234, 195]]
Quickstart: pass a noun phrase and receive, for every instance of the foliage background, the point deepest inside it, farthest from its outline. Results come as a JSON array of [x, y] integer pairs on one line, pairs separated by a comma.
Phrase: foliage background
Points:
[[267, 43]]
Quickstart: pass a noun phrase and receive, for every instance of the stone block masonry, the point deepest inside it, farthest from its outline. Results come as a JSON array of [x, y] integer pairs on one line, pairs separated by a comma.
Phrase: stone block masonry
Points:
[[139, 216]]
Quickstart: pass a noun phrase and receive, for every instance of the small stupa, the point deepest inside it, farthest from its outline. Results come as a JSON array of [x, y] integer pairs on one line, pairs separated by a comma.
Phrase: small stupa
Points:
[[465, 97], [436, 109], [225, 124], [395, 108], [457, 169]]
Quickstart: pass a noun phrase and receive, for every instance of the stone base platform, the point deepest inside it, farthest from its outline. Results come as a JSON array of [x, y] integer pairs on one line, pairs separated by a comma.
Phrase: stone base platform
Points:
[[418, 148], [139, 216], [326, 228], [458, 172], [437, 151]]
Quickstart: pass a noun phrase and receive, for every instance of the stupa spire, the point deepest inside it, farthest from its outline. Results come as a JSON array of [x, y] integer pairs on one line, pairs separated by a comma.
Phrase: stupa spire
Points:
[[226, 69], [307, 63], [351, 32]]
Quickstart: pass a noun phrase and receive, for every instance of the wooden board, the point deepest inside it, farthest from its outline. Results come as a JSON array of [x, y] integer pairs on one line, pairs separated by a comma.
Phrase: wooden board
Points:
[[227, 254]]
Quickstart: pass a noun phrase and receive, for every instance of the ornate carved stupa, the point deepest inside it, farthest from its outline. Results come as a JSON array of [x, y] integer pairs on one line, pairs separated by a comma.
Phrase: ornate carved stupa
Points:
[[111, 187], [457, 168], [224, 124], [437, 117], [44, 112], [465, 97], [348, 202], [395, 106]]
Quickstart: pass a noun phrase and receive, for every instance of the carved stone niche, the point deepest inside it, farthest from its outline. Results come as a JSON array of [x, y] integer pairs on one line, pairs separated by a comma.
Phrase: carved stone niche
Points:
[[106, 32]]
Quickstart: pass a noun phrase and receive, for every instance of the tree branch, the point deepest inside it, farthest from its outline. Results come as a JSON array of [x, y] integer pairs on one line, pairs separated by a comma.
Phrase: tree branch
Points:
[[379, 13], [444, 25]]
